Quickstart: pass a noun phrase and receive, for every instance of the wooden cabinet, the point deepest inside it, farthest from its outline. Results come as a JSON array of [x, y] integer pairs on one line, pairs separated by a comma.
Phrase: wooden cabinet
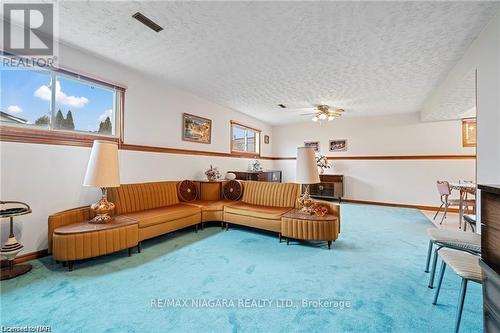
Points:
[[490, 256], [260, 176], [331, 187], [490, 226]]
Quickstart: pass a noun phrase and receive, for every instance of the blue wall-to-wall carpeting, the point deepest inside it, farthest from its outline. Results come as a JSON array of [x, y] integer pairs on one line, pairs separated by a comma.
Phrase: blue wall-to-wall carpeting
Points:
[[246, 281]]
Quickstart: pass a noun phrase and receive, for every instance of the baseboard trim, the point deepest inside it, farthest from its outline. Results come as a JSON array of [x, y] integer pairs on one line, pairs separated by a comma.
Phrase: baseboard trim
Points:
[[27, 257], [390, 204]]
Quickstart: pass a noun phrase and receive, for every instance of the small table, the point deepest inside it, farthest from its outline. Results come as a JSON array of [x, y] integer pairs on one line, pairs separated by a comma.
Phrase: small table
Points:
[[463, 188], [210, 189], [12, 247], [87, 240], [297, 225]]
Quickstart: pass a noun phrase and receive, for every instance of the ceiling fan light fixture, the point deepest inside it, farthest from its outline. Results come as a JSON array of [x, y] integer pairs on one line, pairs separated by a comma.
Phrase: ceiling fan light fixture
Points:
[[322, 116], [315, 118], [330, 117]]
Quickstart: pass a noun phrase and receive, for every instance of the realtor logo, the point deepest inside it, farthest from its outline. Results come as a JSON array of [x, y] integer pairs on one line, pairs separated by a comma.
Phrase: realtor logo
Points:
[[28, 29]]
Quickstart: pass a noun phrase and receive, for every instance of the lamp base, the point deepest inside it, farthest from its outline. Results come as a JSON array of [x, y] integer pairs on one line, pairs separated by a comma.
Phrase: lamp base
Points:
[[305, 201], [102, 208]]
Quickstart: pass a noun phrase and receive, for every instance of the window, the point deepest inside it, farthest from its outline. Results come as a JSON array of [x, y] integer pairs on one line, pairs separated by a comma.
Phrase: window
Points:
[[77, 104], [244, 139]]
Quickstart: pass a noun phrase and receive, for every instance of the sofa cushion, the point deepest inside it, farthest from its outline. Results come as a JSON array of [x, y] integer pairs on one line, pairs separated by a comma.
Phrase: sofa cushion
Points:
[[130, 198], [211, 205], [150, 217], [270, 194], [263, 212]]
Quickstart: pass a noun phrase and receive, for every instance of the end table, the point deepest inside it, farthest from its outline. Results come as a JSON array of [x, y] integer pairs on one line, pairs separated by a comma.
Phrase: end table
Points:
[[12, 247]]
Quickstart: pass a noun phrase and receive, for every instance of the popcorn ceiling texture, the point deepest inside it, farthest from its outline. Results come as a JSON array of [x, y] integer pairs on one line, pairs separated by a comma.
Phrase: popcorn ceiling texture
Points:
[[457, 103], [370, 58]]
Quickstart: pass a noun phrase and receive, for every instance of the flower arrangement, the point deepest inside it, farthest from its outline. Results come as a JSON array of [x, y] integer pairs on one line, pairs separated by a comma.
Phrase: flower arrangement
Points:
[[212, 173], [322, 162], [254, 165], [319, 209]]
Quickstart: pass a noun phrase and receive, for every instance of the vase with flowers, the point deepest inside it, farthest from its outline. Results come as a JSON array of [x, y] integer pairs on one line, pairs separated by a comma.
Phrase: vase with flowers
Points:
[[212, 174], [322, 163]]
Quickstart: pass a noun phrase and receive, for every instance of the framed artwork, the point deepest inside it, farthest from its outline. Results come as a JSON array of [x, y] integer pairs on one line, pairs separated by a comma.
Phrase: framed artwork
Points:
[[313, 144], [196, 129], [469, 132], [266, 139], [338, 145]]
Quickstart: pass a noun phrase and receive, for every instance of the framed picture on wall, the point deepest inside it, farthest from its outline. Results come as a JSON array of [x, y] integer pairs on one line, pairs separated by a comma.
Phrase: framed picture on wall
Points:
[[469, 132], [338, 145], [266, 139], [196, 129], [313, 144]]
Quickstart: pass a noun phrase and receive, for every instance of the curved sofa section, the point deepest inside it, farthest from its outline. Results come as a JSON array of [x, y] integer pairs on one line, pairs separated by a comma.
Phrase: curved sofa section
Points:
[[157, 209]]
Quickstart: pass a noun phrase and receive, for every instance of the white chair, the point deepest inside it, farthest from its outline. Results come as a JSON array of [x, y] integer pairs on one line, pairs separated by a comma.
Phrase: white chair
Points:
[[445, 191]]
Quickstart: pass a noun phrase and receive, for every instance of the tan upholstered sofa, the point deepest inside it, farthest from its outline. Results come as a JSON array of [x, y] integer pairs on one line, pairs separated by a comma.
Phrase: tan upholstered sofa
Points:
[[157, 209], [262, 205]]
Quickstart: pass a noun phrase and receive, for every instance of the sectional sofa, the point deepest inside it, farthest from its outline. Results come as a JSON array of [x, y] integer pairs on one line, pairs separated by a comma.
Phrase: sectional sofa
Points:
[[157, 208]]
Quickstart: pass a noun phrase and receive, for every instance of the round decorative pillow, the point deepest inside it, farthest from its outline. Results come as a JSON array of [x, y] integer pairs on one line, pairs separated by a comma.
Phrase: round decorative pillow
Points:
[[233, 190], [230, 176], [187, 190]]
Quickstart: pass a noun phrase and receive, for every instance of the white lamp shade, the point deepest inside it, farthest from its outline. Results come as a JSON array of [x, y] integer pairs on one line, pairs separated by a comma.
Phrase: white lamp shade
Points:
[[103, 170], [306, 171]]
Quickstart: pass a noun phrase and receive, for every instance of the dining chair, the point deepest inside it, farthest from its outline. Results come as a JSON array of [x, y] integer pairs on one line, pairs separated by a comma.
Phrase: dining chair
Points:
[[458, 240], [467, 267], [444, 192]]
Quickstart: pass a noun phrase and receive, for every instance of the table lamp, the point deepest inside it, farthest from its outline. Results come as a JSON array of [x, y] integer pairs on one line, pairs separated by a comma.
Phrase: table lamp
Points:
[[306, 173], [103, 171]]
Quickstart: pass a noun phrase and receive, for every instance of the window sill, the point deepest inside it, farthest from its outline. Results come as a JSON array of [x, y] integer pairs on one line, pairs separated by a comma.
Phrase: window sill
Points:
[[245, 154], [40, 136]]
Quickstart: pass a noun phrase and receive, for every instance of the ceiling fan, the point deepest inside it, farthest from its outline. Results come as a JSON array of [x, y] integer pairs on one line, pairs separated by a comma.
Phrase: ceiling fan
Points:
[[324, 112]]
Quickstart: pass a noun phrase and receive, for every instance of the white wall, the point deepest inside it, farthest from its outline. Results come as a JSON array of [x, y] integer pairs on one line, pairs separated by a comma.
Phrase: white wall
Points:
[[153, 110], [392, 181], [50, 177], [484, 56]]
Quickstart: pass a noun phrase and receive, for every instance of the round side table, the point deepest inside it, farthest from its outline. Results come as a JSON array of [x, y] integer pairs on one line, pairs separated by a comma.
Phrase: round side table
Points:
[[12, 247]]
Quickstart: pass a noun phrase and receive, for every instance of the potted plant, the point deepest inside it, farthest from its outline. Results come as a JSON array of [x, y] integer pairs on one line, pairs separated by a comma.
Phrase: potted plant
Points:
[[212, 174], [322, 163]]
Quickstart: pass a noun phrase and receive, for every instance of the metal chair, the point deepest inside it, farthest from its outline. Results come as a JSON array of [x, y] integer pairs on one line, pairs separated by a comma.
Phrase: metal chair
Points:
[[467, 267], [457, 240], [445, 191], [471, 220], [469, 203]]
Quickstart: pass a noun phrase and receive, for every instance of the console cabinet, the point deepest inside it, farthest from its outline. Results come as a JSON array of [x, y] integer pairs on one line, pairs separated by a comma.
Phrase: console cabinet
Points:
[[331, 187], [260, 176]]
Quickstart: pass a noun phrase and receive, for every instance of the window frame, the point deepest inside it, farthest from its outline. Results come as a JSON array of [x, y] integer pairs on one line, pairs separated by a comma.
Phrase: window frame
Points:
[[30, 134], [245, 153]]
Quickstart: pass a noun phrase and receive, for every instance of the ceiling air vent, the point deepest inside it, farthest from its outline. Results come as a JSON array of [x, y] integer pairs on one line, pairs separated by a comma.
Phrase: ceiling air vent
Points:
[[283, 106], [147, 22]]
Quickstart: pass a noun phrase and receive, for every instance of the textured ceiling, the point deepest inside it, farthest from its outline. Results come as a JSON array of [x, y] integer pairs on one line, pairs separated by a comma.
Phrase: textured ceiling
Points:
[[369, 58], [458, 102]]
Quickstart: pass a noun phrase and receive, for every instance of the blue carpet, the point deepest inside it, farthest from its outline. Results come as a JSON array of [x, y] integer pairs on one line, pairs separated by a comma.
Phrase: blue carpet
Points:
[[372, 278]]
